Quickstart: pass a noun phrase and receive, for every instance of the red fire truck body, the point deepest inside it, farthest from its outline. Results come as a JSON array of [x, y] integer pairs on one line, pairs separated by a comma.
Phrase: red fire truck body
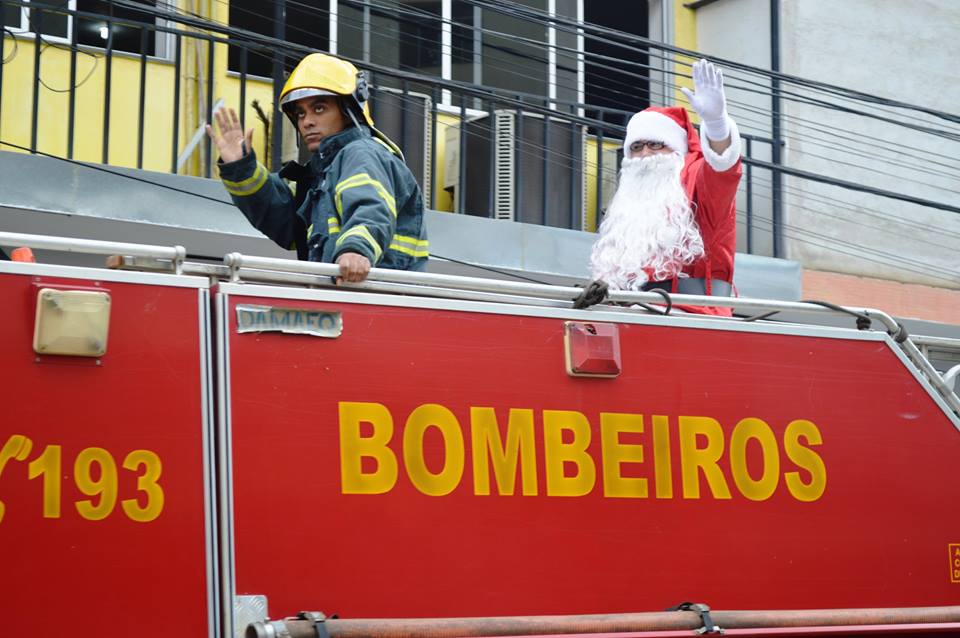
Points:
[[422, 455], [105, 466], [747, 466]]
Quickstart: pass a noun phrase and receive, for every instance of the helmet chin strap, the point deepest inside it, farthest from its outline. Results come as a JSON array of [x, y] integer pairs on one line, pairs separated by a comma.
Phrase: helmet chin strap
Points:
[[345, 107], [352, 116]]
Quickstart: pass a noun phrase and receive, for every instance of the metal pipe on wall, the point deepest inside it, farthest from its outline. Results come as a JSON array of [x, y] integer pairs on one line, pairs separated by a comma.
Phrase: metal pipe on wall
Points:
[[279, 32], [775, 158]]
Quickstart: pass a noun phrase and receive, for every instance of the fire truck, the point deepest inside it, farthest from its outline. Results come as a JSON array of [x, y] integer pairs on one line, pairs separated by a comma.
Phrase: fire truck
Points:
[[244, 448]]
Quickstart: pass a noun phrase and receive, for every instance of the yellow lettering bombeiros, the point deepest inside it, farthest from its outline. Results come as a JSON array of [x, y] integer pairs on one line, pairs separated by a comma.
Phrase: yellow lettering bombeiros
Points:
[[749, 460]]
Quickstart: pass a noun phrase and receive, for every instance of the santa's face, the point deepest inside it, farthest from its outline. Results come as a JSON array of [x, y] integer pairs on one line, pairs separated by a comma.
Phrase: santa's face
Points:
[[649, 232]]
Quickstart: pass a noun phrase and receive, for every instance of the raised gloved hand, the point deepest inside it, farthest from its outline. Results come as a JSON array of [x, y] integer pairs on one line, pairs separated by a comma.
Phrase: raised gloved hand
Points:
[[232, 142], [708, 100]]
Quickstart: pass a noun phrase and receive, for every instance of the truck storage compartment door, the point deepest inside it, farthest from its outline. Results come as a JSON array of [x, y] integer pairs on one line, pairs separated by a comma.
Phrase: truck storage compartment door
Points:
[[105, 490], [436, 458]]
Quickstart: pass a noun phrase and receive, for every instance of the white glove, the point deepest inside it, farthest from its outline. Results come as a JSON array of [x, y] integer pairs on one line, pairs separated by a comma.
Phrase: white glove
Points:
[[709, 101]]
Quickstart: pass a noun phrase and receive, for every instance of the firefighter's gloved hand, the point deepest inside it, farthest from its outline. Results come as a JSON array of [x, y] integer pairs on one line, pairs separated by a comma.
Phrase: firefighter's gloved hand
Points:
[[708, 100], [232, 142], [354, 268]]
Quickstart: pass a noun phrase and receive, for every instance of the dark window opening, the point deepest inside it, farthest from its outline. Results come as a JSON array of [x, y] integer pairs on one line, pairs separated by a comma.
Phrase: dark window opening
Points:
[[304, 25], [420, 36], [43, 20], [11, 16], [463, 41], [621, 83], [97, 32], [511, 63]]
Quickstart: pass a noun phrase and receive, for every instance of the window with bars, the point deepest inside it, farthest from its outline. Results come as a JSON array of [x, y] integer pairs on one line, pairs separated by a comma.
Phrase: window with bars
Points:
[[48, 22], [109, 27]]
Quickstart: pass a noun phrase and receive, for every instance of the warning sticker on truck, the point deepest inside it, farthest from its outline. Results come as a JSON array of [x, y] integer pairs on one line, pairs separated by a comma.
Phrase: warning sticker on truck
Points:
[[954, 562]]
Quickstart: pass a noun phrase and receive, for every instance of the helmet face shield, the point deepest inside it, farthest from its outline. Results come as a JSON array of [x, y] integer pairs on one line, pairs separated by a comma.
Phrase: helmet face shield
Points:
[[298, 94]]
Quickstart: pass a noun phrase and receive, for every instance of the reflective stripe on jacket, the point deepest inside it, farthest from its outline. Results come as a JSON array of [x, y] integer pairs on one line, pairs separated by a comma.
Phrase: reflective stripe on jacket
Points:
[[362, 199]]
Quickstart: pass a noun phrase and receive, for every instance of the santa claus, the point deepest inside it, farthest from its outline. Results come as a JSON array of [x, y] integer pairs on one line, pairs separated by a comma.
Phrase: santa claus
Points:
[[672, 222]]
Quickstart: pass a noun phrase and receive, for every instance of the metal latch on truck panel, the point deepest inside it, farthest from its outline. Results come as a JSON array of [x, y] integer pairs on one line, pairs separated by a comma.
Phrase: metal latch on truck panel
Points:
[[293, 627], [709, 627]]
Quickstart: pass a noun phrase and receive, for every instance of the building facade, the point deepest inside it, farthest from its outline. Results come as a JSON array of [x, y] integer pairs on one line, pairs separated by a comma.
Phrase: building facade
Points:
[[513, 111]]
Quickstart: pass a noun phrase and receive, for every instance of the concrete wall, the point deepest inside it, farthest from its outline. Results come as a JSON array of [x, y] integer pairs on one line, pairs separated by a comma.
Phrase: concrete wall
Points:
[[888, 48], [898, 50]]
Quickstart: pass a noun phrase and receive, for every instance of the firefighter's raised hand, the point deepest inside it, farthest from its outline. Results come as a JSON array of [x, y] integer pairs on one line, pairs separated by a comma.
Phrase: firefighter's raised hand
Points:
[[354, 267], [230, 141], [708, 100]]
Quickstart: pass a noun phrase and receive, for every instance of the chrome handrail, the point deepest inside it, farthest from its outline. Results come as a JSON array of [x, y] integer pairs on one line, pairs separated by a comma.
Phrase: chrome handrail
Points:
[[240, 264], [456, 286], [273, 270], [176, 254]]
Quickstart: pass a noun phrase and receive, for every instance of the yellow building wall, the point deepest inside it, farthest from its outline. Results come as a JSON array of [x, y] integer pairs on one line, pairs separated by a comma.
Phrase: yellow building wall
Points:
[[442, 199], [685, 37], [53, 103], [610, 171], [53, 106], [16, 106]]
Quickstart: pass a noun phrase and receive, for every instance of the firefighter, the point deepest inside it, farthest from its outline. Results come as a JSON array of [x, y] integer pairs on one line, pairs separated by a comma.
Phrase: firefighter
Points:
[[672, 222], [356, 202]]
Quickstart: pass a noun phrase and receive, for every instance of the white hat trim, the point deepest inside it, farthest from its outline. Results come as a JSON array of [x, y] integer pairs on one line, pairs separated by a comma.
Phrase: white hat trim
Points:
[[653, 126]]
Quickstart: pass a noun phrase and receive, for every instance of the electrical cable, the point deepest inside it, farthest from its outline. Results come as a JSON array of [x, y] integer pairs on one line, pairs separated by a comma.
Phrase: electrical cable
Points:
[[860, 210], [13, 53], [76, 85], [939, 132], [850, 249], [307, 5], [227, 203], [925, 269], [301, 4], [607, 58], [882, 155], [797, 192], [427, 14], [433, 16], [573, 26]]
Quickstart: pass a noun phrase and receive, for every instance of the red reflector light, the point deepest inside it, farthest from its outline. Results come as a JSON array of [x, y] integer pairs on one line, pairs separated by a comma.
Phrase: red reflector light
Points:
[[592, 349]]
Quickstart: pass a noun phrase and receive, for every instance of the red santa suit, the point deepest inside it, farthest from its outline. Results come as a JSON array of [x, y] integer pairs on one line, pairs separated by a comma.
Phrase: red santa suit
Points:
[[710, 181]]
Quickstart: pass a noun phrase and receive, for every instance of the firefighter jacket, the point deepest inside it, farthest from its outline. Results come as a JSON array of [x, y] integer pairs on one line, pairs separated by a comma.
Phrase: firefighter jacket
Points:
[[356, 195]]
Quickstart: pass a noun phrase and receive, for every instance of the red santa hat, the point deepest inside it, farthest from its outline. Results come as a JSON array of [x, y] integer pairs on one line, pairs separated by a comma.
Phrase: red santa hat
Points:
[[668, 124]]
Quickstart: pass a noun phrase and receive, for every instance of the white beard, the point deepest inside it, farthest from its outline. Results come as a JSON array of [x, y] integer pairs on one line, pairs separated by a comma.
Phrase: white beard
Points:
[[649, 232]]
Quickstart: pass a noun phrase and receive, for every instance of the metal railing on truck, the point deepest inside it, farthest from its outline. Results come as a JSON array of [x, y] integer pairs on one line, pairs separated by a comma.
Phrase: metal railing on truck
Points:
[[245, 268]]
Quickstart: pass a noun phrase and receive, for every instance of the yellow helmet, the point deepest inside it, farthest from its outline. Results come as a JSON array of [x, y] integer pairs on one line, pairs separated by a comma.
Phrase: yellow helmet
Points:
[[322, 74]]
